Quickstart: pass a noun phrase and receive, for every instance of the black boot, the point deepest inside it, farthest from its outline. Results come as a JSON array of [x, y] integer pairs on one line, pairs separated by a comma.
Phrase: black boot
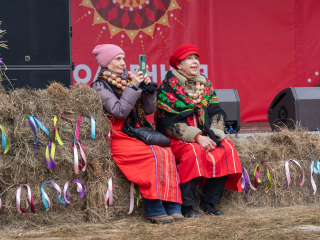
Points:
[[188, 211], [209, 208]]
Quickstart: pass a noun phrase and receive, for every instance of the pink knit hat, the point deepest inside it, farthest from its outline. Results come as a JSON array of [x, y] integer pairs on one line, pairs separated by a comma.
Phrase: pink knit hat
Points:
[[105, 53]]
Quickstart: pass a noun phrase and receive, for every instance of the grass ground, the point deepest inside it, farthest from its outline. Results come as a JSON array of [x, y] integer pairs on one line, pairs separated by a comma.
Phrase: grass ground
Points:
[[299, 222]]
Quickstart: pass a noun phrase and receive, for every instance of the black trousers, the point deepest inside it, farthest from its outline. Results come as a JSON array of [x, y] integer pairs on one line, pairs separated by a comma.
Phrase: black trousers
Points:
[[212, 191]]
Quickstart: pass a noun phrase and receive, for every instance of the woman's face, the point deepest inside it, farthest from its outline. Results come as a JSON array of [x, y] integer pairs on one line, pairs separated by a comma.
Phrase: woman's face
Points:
[[189, 66], [117, 64]]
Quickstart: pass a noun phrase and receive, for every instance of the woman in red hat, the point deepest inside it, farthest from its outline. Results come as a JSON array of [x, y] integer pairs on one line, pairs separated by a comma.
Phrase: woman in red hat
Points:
[[127, 98], [189, 113]]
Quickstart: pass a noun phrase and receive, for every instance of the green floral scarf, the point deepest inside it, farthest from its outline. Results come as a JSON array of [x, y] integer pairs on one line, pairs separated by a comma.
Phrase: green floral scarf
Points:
[[175, 105]]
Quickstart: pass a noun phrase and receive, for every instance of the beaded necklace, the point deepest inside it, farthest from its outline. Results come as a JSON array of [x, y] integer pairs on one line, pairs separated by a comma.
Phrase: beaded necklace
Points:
[[116, 81], [199, 93]]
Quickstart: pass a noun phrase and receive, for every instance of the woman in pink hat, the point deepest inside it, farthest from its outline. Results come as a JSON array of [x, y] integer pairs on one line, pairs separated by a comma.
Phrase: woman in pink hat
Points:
[[189, 113], [128, 98]]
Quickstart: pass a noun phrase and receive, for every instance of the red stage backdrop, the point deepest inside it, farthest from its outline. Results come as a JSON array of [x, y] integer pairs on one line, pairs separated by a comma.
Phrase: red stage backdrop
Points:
[[257, 47]]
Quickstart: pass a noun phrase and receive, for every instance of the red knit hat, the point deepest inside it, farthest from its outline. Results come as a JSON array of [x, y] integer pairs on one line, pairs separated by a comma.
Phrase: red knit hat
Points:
[[181, 53], [105, 53]]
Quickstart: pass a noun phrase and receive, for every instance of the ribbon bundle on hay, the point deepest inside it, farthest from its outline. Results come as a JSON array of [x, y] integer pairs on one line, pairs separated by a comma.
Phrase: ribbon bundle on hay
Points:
[[276, 149], [22, 165]]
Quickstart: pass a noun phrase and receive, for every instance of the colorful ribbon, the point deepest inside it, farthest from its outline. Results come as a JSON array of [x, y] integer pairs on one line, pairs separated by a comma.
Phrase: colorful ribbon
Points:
[[83, 165], [138, 196], [81, 146], [5, 141], [108, 199], [33, 121], [131, 198], [45, 197], [77, 132], [55, 125], [257, 173], [50, 157], [108, 136], [245, 181], [288, 172], [80, 188], [0, 203], [315, 167], [30, 198]]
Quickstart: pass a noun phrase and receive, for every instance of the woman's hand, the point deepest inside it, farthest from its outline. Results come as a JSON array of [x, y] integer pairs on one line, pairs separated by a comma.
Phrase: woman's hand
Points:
[[147, 80], [138, 77], [206, 143]]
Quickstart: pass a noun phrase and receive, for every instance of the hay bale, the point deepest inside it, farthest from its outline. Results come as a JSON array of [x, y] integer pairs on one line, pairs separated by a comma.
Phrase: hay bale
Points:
[[298, 144], [22, 166], [44, 104]]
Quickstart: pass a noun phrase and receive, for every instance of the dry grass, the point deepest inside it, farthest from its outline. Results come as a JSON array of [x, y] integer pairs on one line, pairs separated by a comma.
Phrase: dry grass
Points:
[[251, 223]]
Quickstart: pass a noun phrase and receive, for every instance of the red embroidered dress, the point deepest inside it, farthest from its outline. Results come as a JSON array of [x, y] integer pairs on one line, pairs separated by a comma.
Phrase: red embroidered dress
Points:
[[175, 105], [193, 161], [153, 168]]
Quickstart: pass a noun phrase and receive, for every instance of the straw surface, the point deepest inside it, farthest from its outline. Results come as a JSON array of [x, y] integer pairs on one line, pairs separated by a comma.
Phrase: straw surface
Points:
[[276, 149], [21, 166]]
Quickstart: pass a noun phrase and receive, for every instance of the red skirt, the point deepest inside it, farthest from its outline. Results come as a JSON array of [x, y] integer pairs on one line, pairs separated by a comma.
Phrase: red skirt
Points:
[[153, 168], [193, 161]]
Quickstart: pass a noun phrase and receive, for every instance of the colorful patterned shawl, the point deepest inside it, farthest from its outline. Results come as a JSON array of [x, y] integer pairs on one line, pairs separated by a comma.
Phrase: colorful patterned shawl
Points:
[[175, 106]]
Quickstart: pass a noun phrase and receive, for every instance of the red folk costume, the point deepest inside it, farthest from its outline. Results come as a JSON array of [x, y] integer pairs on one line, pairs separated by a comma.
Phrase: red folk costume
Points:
[[128, 98], [176, 105], [193, 161], [152, 167]]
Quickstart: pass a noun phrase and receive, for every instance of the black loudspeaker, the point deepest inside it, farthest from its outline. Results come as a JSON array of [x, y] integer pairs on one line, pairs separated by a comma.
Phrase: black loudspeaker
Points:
[[38, 34], [230, 103], [293, 106]]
